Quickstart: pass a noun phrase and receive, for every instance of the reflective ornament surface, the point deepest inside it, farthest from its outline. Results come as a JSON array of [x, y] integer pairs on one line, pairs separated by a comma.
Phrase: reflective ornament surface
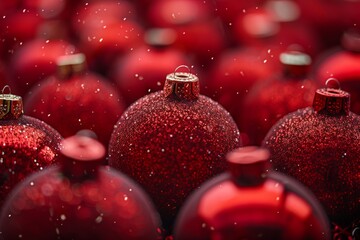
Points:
[[251, 202], [79, 199]]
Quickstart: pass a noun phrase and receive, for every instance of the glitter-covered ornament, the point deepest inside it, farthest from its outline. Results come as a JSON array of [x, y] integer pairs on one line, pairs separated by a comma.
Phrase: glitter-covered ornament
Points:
[[343, 64], [320, 146], [79, 199], [249, 202], [139, 72], [271, 99], [76, 99], [26, 144], [173, 140]]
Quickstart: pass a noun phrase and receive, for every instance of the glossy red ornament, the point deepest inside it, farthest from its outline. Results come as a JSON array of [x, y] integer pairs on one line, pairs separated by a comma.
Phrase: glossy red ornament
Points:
[[173, 140], [79, 199], [76, 99], [343, 64], [138, 73], [26, 144], [249, 202], [35, 61], [320, 146], [234, 73], [271, 99]]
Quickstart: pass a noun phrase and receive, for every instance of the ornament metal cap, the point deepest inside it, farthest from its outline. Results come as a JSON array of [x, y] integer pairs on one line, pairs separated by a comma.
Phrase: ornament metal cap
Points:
[[351, 40], [248, 165], [69, 65], [11, 106], [332, 101], [182, 85], [81, 156], [295, 63]]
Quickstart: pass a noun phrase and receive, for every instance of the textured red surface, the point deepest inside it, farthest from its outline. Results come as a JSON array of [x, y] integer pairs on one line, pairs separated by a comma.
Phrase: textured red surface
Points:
[[80, 102], [321, 151], [106, 205], [27, 145], [171, 146], [246, 204]]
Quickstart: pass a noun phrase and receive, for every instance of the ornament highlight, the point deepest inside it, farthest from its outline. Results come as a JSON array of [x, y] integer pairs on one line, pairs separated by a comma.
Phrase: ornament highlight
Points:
[[251, 202]]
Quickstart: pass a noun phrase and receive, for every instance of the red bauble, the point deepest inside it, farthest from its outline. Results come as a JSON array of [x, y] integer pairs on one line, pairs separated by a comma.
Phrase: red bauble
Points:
[[27, 144], [35, 61], [17, 28], [138, 72], [80, 199], [343, 64], [234, 73], [251, 203], [199, 32], [320, 146], [173, 140], [271, 99], [76, 99]]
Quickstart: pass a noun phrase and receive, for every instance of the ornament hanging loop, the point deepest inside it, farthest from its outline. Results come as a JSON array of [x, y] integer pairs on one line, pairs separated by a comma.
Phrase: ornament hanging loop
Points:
[[4, 89], [182, 85], [332, 83]]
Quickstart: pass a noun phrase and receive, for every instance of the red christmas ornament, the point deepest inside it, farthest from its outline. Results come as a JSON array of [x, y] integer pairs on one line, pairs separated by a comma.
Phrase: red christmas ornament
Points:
[[199, 31], [105, 31], [80, 199], [320, 146], [138, 72], [35, 61], [26, 144], [234, 73], [250, 202], [271, 99], [18, 28], [173, 140], [343, 64], [76, 99]]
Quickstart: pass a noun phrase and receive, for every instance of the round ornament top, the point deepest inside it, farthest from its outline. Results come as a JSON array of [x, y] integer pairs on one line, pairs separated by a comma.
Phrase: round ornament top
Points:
[[69, 65], [11, 106], [332, 101], [81, 156], [351, 40], [182, 85], [295, 63], [248, 165]]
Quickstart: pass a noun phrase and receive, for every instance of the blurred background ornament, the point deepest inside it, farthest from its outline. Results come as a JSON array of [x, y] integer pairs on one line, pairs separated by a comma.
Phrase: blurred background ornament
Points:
[[75, 99], [274, 97], [171, 141], [26, 144], [251, 202], [319, 146], [343, 63], [140, 71], [79, 199]]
